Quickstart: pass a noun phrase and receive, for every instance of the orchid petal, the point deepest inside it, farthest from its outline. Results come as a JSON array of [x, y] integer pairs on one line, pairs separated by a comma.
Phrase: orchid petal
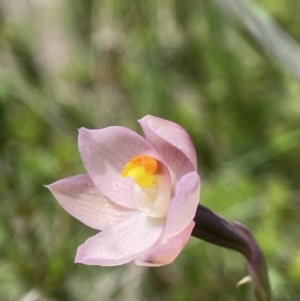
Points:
[[80, 198], [172, 143], [122, 242], [184, 204], [105, 152], [164, 252]]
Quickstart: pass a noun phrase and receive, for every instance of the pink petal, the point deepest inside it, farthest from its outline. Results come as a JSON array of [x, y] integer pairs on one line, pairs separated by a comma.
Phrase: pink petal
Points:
[[80, 198], [105, 152], [183, 206], [164, 252], [122, 242], [172, 143]]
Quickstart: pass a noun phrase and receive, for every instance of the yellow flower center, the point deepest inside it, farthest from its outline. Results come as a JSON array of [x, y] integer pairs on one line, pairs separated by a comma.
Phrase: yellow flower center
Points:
[[142, 169]]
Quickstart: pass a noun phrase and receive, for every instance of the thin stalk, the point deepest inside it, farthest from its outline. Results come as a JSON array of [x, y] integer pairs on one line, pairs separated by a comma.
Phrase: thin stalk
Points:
[[235, 236]]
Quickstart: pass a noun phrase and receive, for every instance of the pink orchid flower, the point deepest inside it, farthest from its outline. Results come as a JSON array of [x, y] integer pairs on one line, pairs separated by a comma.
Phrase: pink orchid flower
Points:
[[141, 192]]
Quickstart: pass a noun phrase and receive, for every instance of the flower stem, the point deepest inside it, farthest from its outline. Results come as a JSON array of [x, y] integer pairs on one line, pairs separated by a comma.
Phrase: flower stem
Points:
[[236, 236]]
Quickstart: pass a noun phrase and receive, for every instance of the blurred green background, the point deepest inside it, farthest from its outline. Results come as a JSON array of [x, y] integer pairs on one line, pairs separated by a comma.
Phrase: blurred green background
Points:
[[66, 64]]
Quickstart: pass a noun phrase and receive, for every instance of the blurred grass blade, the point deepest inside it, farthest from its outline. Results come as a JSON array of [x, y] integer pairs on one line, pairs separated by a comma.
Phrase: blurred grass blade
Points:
[[266, 31]]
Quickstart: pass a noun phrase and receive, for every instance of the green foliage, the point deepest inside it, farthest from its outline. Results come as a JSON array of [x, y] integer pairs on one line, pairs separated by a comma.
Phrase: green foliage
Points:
[[67, 64]]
